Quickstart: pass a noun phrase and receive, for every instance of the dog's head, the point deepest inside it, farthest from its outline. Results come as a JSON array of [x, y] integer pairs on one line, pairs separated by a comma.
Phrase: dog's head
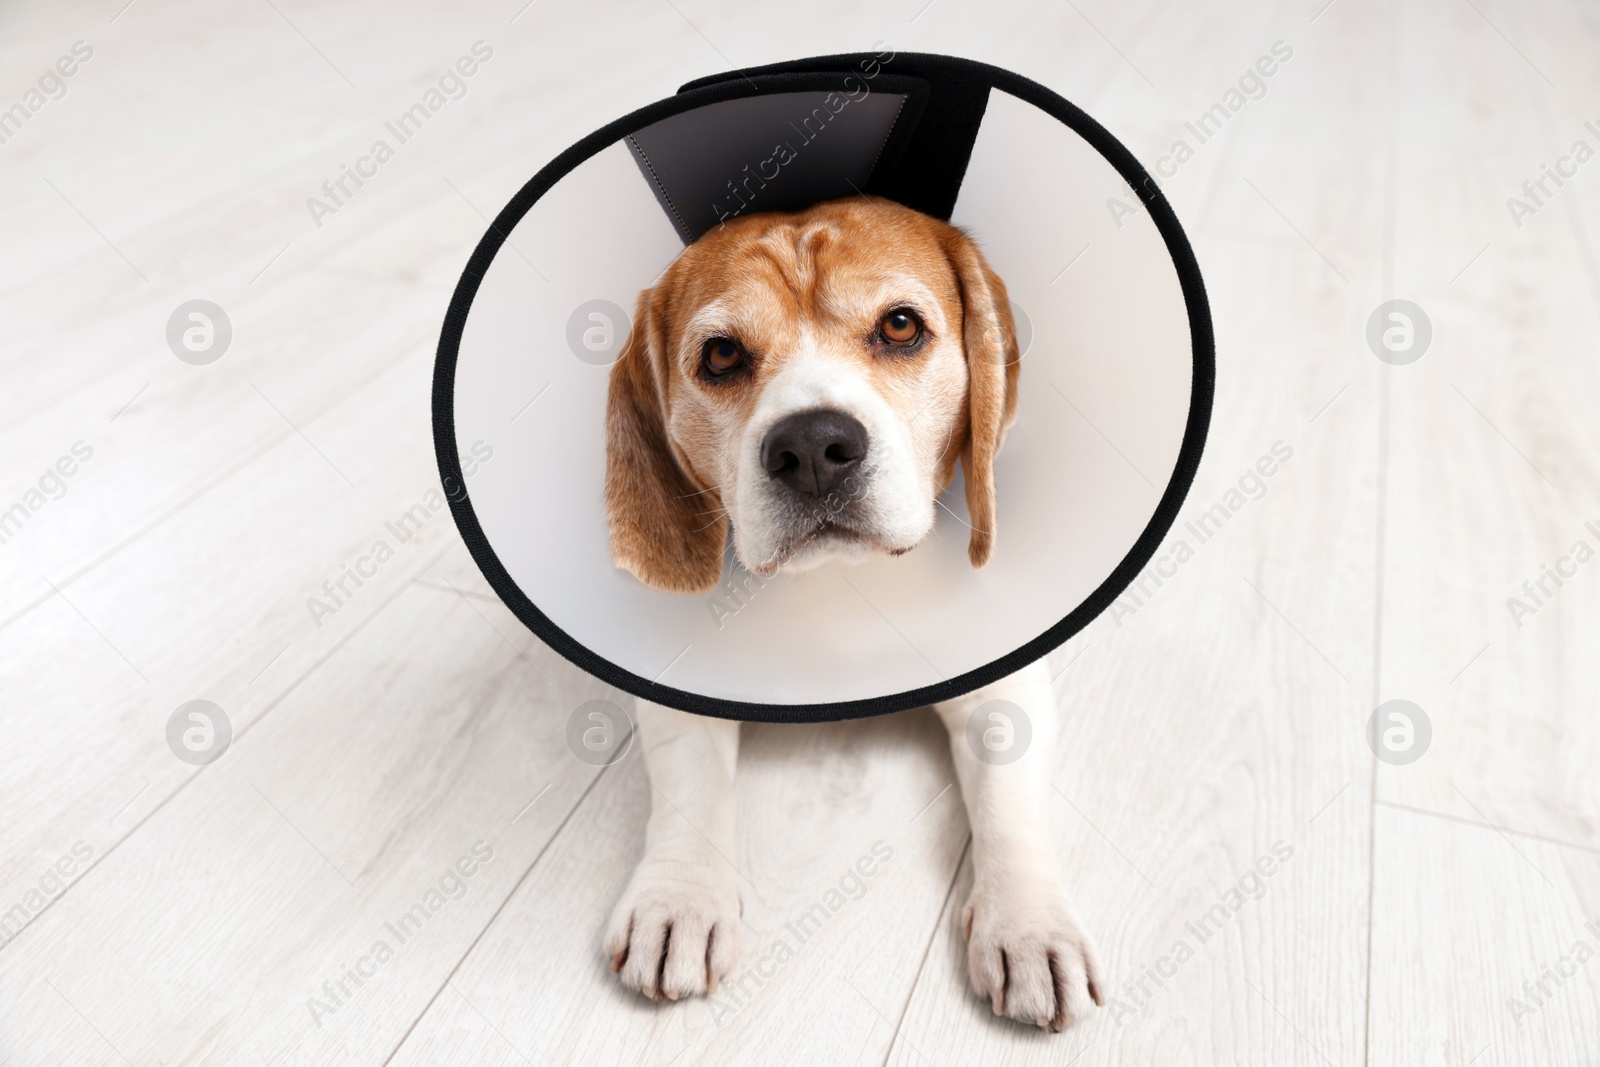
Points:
[[811, 379]]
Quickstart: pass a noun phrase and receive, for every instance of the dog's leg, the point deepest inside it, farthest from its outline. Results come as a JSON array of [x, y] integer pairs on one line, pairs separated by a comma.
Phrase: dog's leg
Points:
[[1026, 953], [676, 929]]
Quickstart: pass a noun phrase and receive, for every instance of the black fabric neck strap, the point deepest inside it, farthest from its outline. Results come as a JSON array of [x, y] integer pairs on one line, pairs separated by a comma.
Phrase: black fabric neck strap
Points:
[[897, 126]]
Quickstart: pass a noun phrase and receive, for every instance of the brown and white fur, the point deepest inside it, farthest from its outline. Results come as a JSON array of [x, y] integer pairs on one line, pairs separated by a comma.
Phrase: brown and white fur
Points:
[[769, 387]]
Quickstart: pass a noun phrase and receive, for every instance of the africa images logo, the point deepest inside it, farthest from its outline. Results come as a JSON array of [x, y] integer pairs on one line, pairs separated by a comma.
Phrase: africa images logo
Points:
[[451, 85], [853, 89]]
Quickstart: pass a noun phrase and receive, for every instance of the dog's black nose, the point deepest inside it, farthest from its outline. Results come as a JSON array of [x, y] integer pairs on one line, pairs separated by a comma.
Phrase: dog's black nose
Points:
[[812, 451]]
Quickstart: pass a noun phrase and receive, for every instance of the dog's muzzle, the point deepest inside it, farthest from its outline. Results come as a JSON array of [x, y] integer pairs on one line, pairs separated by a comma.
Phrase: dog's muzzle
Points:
[[811, 453]]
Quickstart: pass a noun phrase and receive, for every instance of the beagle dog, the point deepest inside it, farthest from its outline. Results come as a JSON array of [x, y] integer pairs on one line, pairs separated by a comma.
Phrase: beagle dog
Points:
[[807, 381]]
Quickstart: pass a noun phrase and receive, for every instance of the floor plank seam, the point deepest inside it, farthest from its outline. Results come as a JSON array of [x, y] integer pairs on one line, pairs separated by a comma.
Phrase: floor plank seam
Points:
[[220, 479], [184, 784], [1481, 825], [927, 949], [149, 527], [1387, 268], [489, 923], [424, 583]]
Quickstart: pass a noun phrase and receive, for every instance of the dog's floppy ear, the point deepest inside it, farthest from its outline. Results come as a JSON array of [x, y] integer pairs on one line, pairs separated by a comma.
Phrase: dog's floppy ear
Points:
[[666, 530], [993, 364]]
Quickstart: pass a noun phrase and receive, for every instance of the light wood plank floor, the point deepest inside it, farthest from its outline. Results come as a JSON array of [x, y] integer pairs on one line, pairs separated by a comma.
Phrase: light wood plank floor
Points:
[[1443, 912]]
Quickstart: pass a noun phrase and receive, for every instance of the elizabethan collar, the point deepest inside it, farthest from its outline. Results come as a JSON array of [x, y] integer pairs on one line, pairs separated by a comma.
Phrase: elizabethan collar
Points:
[[1114, 396]]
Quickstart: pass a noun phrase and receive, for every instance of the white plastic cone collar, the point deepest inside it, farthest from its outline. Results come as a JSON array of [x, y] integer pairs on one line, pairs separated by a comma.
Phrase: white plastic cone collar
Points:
[[1114, 400]]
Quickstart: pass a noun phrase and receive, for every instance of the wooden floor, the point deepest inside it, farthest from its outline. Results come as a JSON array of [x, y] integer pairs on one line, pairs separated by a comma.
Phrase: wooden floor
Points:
[[186, 915]]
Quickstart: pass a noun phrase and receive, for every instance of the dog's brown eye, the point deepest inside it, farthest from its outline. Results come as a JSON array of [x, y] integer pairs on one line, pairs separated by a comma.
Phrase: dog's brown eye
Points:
[[722, 355], [900, 327]]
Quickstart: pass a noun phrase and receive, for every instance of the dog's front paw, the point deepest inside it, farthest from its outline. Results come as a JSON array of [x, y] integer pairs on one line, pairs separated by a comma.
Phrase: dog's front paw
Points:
[[1027, 955], [676, 930]]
